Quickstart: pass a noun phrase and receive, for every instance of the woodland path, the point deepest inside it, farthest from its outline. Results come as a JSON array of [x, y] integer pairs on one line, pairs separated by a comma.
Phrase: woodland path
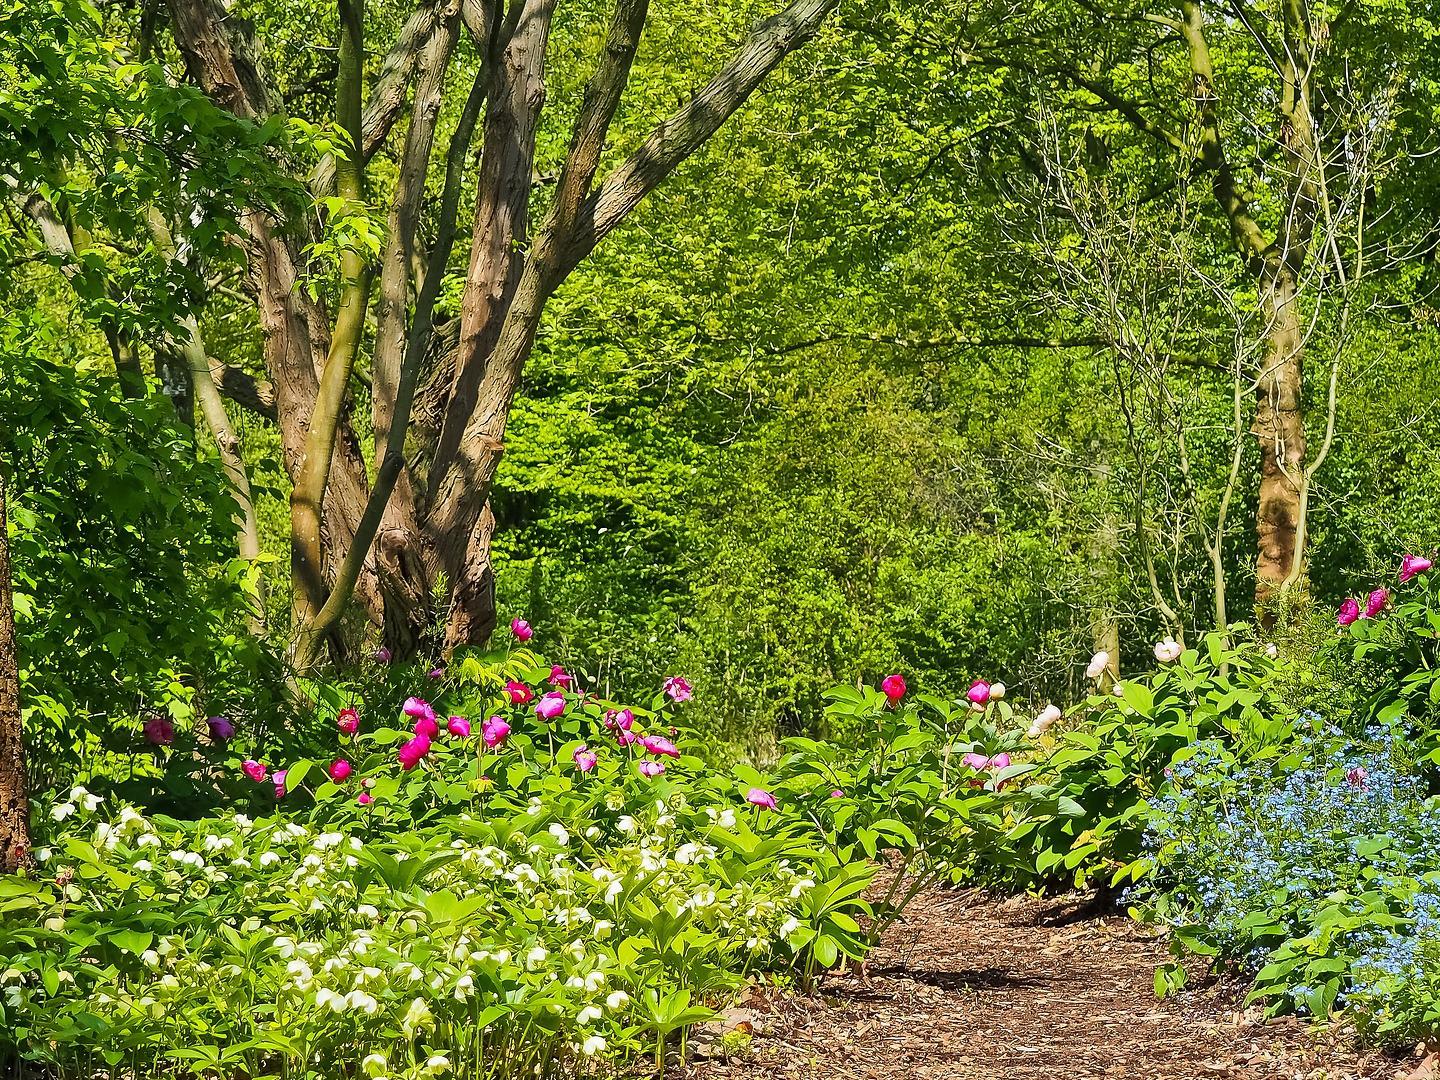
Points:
[[974, 989]]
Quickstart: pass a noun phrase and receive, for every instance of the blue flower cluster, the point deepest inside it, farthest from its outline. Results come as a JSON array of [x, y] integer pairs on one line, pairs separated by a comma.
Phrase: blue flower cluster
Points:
[[1336, 843]]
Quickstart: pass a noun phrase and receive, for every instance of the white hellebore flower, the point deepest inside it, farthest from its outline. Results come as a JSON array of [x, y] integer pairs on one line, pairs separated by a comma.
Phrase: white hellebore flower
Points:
[[437, 1063], [617, 1000], [588, 1015], [1168, 650], [1272, 650], [592, 1046], [1098, 663], [558, 831], [374, 1064], [62, 811]]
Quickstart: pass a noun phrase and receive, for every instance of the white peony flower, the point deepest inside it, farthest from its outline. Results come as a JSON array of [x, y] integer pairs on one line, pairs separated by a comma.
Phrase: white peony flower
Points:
[[1098, 663]]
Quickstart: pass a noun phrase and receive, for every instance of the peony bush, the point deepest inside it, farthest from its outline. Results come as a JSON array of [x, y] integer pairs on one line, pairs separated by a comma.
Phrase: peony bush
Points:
[[484, 870]]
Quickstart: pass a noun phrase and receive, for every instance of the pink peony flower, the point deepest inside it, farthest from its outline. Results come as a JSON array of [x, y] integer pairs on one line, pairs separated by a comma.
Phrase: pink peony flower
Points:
[[1356, 777], [427, 726], [340, 770], [521, 629], [365, 798], [585, 759], [519, 692], [550, 706], [975, 761], [1412, 566], [626, 737], [382, 655], [1041, 724], [1349, 612], [650, 768], [494, 731], [559, 677], [893, 687], [1000, 761], [837, 794], [349, 720], [979, 692], [279, 779], [1098, 663], [413, 751], [435, 673], [158, 731], [623, 720], [760, 797], [1375, 602], [1168, 650], [221, 729], [255, 771], [459, 727], [659, 746], [677, 689]]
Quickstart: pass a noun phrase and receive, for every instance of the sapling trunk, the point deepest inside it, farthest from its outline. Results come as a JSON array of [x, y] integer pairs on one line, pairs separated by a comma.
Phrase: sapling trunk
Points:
[[14, 788]]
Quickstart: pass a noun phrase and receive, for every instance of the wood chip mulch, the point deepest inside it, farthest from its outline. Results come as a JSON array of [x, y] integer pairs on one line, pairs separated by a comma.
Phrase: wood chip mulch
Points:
[[969, 988]]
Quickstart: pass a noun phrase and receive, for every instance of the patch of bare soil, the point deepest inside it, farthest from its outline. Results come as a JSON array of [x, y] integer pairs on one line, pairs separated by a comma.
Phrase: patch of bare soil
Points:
[[968, 988]]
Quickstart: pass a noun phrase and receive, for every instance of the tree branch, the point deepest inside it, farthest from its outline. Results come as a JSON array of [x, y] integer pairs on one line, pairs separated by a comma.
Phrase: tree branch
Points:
[[689, 128]]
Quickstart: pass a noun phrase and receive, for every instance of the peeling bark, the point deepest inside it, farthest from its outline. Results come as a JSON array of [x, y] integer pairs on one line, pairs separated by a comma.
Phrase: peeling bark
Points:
[[14, 788]]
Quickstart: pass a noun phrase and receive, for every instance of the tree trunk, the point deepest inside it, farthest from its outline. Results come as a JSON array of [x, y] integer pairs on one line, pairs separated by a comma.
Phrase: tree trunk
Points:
[[1280, 428], [14, 791]]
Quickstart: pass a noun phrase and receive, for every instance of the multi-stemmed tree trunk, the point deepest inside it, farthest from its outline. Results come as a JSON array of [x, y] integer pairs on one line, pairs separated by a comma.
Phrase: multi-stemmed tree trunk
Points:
[[14, 794], [394, 541]]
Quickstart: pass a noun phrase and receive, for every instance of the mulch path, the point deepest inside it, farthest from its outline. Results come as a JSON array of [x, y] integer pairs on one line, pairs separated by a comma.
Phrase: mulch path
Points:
[[969, 988]]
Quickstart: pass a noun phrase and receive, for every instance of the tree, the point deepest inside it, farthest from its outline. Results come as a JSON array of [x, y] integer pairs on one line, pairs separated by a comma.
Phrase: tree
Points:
[[1268, 107], [435, 525], [14, 790]]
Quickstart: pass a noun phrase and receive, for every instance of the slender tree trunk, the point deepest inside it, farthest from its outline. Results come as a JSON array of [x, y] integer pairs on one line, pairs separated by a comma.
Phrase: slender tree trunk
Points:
[[1280, 428], [14, 790]]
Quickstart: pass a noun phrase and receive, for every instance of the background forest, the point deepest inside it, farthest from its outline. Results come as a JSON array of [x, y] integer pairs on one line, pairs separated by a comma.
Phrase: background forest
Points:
[[948, 351]]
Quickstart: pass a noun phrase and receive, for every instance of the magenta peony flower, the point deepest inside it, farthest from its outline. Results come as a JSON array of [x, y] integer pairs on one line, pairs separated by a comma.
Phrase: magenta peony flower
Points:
[[650, 768], [417, 709], [365, 798], [348, 720], [975, 761], [435, 673], [1000, 761], [221, 729], [340, 770], [382, 655], [550, 706], [893, 687], [459, 727], [519, 692], [521, 629], [1375, 602], [1412, 566], [427, 726], [659, 746], [760, 797], [413, 751], [677, 689], [559, 677], [623, 720], [837, 794], [979, 692], [279, 779], [158, 731], [585, 759], [1349, 612], [626, 737], [255, 771], [494, 731]]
